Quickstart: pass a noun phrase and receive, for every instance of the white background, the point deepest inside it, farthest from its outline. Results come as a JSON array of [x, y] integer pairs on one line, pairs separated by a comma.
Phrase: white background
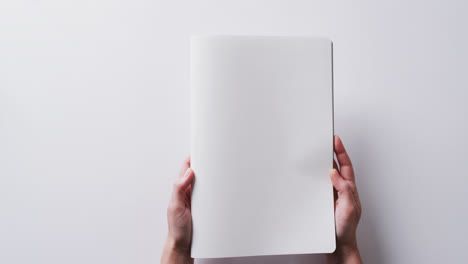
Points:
[[94, 121]]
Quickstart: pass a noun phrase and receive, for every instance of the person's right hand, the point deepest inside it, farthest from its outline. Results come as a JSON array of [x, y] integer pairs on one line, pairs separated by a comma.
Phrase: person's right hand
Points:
[[347, 208]]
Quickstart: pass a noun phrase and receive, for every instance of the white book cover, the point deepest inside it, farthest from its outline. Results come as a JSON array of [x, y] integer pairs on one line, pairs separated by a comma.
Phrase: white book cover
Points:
[[261, 146]]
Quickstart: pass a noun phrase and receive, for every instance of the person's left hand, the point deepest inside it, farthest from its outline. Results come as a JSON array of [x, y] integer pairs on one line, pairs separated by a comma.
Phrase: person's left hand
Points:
[[179, 219]]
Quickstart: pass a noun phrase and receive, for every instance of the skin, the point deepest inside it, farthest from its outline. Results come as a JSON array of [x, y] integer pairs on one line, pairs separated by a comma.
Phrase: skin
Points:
[[179, 219], [347, 208], [347, 213]]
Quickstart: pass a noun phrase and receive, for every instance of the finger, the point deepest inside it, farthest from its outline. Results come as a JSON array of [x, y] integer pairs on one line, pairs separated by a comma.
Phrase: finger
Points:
[[335, 166], [181, 185], [185, 166], [335, 193], [188, 195], [342, 187], [337, 181], [346, 168]]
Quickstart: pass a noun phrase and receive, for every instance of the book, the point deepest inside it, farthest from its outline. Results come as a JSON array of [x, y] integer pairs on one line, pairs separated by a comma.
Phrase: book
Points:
[[261, 145]]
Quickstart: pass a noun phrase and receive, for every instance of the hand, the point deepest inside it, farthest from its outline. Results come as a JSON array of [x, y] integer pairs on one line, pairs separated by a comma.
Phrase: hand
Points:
[[347, 208], [179, 218]]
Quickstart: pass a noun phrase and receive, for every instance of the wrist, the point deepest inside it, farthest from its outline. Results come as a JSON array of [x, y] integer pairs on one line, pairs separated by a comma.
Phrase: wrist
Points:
[[177, 246], [345, 253], [176, 252]]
